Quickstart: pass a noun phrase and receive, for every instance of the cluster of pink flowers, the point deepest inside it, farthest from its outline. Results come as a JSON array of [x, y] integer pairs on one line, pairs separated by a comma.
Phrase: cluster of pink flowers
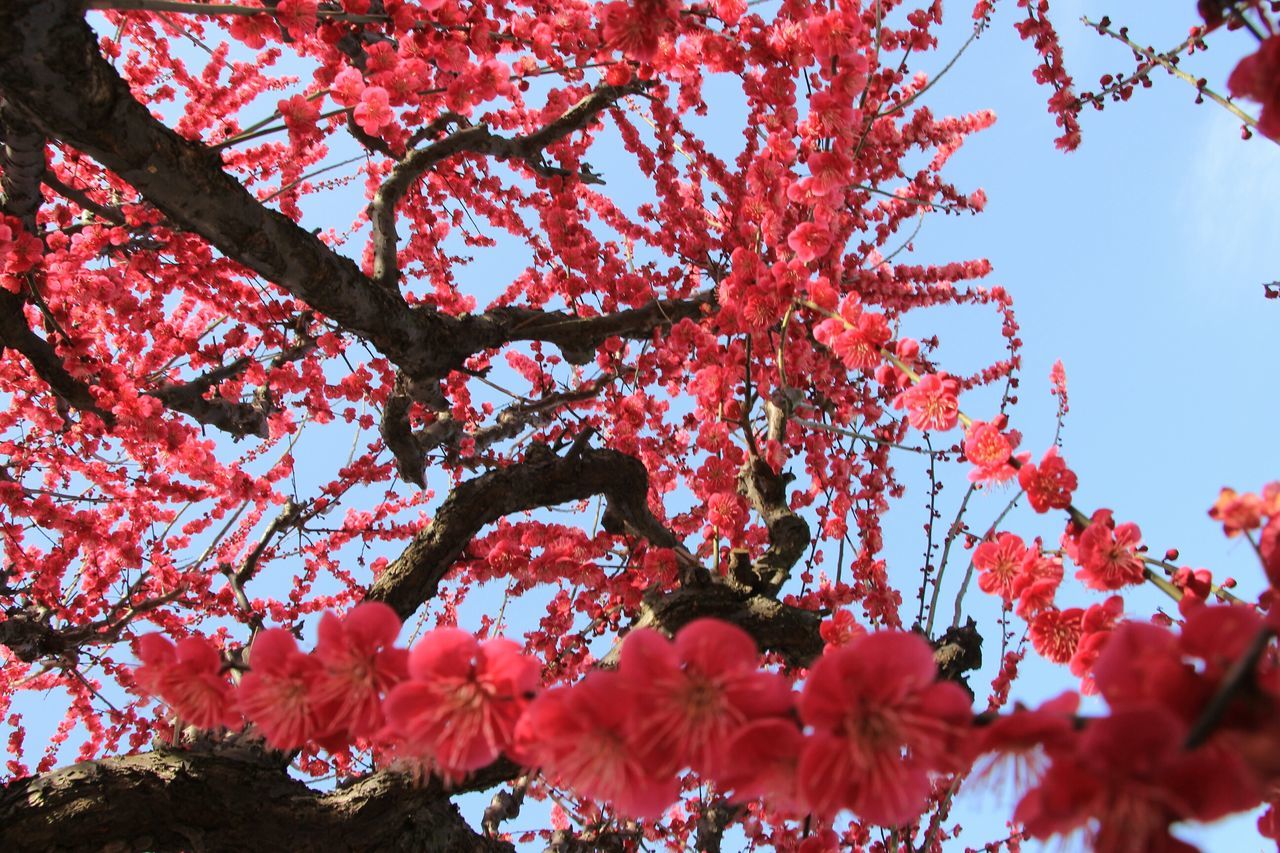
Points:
[[1153, 760], [19, 252], [857, 336], [869, 730]]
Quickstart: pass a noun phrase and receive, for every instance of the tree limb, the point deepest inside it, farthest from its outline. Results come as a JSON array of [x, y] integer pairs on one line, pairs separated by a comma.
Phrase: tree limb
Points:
[[164, 801], [51, 70], [540, 480]]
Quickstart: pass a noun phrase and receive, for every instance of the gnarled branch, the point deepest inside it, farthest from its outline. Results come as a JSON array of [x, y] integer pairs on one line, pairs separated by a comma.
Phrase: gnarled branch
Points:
[[210, 801]]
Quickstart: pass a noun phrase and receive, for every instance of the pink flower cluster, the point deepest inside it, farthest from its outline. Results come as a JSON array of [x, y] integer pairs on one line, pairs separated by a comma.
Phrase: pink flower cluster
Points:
[[856, 337], [19, 252], [869, 730], [1125, 778]]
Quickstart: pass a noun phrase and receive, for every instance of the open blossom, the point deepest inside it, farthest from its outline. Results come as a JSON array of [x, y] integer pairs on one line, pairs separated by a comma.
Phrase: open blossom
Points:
[[1108, 558], [1257, 77], [809, 241], [374, 110], [999, 562], [359, 666], [990, 451], [188, 676], [882, 723], [693, 694], [857, 338], [931, 403], [584, 737], [276, 694], [1048, 485], [636, 27], [1055, 634], [461, 702]]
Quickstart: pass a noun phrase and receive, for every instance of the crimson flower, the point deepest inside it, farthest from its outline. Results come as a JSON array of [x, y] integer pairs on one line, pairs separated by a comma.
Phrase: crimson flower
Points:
[[462, 700], [999, 562], [1048, 485], [1055, 634], [693, 694], [882, 723], [990, 450], [359, 667], [931, 403], [188, 677], [1257, 77], [584, 737], [1108, 558], [276, 695]]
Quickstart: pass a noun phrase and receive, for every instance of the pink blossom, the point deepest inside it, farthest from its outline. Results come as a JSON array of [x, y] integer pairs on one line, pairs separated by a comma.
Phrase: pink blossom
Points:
[[692, 694], [999, 562], [359, 667], [462, 700], [583, 737], [276, 695], [882, 724], [188, 677], [1108, 559], [1050, 484], [809, 241], [931, 403], [374, 110]]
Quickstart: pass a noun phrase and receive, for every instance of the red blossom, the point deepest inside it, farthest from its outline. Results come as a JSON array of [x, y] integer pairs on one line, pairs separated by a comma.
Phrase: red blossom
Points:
[[999, 562], [990, 451], [1055, 634], [692, 694], [374, 110], [462, 701], [277, 694], [583, 737], [882, 724], [1107, 553], [1048, 485], [931, 403], [359, 666], [809, 241], [188, 676], [1257, 77]]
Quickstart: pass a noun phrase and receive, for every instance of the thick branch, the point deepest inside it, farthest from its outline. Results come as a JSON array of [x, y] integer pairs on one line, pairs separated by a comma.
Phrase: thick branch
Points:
[[199, 801], [541, 480], [51, 70], [788, 532], [578, 337]]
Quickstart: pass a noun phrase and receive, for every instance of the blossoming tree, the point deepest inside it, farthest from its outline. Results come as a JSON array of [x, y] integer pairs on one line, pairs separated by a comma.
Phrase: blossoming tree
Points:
[[273, 420]]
